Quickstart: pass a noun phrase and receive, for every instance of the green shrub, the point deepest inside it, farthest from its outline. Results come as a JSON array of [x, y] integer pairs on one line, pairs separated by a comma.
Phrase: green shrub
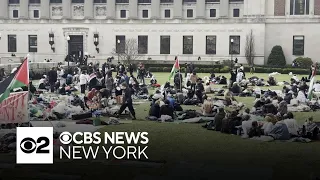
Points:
[[276, 57], [303, 62], [227, 63], [216, 70], [166, 69], [225, 69], [154, 69]]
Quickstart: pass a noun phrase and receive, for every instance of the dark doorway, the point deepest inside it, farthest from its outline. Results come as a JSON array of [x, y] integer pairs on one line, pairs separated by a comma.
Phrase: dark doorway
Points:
[[76, 47]]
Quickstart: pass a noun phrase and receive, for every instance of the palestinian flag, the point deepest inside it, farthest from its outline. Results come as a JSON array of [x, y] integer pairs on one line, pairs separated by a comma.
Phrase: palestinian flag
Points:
[[313, 77], [175, 68], [17, 79]]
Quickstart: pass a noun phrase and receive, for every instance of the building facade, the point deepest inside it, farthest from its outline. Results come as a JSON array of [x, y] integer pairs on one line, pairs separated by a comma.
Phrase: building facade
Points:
[[210, 29]]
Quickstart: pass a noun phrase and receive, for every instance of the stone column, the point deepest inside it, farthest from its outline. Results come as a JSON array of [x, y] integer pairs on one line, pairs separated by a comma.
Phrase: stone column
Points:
[[287, 7], [155, 9], [88, 9], [66, 9], [133, 9], [177, 9], [311, 7], [224, 9], [24, 9], [201, 9], [45, 9], [4, 10], [111, 9]]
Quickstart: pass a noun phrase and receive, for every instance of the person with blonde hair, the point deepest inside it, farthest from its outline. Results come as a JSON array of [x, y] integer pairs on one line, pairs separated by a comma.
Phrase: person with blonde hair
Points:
[[207, 107]]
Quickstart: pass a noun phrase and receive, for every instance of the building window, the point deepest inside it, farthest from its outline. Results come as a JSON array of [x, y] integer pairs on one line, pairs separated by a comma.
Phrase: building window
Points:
[[189, 1], [12, 43], [144, 1], [142, 44], [211, 42], [15, 14], [298, 45], [56, 1], [167, 13], [166, 1], [33, 44], [236, 12], [212, 1], [34, 1], [36, 13], [187, 44], [14, 1], [164, 44], [100, 1], [234, 45], [299, 7], [123, 13], [189, 13], [120, 44], [122, 1], [145, 13], [77, 1], [213, 13]]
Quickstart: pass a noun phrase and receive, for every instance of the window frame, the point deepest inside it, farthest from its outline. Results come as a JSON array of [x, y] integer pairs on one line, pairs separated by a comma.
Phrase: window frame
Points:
[[294, 51], [167, 10], [143, 46], [208, 51], [77, 1], [165, 48], [104, 2], [187, 47], [15, 10], [125, 14], [293, 10], [38, 13], [33, 48], [56, 1], [190, 10], [14, 2], [231, 47], [234, 12], [121, 48], [32, 2], [143, 13], [9, 43], [215, 13]]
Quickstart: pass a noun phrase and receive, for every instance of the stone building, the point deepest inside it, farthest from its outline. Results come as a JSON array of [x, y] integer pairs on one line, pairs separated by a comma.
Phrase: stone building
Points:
[[209, 29]]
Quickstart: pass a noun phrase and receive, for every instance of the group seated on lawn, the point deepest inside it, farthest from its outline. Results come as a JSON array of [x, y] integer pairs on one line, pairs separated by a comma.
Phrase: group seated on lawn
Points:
[[270, 118]]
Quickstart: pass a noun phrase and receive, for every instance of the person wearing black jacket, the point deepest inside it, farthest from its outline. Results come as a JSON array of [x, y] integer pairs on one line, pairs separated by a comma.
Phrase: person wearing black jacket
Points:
[[127, 101], [53, 76], [233, 77], [177, 80], [131, 69]]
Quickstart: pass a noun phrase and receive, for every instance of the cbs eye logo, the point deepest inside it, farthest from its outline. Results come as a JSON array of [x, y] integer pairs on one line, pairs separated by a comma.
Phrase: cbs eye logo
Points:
[[29, 145], [65, 138]]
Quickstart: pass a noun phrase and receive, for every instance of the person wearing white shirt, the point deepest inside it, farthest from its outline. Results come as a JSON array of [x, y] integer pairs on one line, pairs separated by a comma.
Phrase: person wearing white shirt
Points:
[[83, 81], [316, 87], [239, 76]]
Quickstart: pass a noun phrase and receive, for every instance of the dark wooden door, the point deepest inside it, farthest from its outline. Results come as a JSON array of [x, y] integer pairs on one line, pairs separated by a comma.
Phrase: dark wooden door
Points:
[[76, 46]]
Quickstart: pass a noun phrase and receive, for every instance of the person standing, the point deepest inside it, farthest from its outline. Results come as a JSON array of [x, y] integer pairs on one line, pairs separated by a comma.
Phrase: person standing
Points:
[[53, 77], [177, 80], [193, 80], [83, 82], [127, 101], [131, 69], [233, 77], [312, 68]]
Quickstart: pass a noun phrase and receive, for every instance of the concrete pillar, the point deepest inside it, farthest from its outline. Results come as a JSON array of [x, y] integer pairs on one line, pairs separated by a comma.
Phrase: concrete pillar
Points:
[[177, 9], [88, 9], [4, 10], [111, 9], [287, 7], [45, 9], [24, 9], [224, 9], [201, 9], [66, 9], [155, 9], [311, 7], [133, 9]]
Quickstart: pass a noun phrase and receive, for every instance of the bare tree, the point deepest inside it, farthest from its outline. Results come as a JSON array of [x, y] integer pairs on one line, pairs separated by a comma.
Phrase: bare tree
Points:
[[127, 51], [250, 48]]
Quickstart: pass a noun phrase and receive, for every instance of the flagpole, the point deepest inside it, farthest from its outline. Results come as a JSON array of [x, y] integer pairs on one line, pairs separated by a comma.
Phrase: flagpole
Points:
[[28, 107]]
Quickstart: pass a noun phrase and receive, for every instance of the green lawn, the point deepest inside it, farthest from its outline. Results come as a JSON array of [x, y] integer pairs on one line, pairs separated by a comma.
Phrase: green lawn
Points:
[[205, 149]]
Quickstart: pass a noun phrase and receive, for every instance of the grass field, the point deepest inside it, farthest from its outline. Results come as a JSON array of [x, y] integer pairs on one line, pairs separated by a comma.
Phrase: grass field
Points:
[[201, 149], [190, 142]]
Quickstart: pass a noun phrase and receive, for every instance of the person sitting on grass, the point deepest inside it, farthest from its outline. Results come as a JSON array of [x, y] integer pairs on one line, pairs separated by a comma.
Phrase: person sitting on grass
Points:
[[166, 109], [155, 109], [207, 107], [228, 97], [272, 81], [207, 88], [91, 94], [236, 89]]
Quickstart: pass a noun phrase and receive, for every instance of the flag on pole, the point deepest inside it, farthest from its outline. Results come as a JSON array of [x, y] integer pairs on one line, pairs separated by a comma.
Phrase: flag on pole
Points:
[[175, 68], [17, 79], [313, 77]]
